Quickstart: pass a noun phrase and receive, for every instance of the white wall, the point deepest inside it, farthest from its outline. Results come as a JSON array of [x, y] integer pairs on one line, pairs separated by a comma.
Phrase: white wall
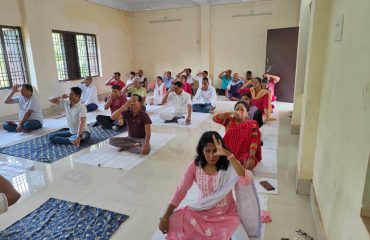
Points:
[[343, 140], [239, 43], [341, 151], [236, 43], [38, 18], [304, 28], [163, 46], [127, 41]]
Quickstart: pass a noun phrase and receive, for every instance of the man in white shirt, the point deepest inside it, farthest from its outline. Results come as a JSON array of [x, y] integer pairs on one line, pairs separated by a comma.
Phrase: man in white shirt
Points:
[[30, 112], [181, 102], [143, 80], [89, 94], [204, 100], [201, 75], [76, 119]]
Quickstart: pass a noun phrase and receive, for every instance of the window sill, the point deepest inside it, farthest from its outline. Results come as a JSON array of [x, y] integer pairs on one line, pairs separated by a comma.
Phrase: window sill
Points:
[[77, 79]]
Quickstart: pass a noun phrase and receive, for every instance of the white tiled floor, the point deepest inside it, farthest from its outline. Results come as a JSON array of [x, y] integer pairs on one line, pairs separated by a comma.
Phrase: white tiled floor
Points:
[[143, 192]]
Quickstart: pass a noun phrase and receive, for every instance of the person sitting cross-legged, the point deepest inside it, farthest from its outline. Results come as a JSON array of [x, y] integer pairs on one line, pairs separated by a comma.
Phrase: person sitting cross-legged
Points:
[[180, 101], [138, 124], [135, 88], [115, 80], [204, 100], [76, 119], [231, 91], [30, 112], [89, 94], [114, 101]]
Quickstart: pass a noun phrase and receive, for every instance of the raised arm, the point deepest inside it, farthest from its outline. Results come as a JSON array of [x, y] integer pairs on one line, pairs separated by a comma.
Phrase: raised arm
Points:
[[108, 103], [117, 114], [56, 100], [274, 78], [222, 118], [221, 74], [179, 74], [107, 83], [165, 98], [9, 98], [125, 89]]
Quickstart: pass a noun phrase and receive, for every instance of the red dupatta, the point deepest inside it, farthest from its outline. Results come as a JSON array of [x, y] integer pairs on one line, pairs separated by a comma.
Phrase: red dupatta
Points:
[[239, 138]]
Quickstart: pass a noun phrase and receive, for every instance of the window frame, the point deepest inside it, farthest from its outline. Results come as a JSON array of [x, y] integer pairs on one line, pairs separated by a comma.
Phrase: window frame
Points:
[[68, 69], [6, 58]]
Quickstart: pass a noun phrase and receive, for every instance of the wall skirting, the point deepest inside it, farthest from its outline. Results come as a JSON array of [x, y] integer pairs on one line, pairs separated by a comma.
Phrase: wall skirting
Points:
[[303, 186], [295, 129], [319, 226]]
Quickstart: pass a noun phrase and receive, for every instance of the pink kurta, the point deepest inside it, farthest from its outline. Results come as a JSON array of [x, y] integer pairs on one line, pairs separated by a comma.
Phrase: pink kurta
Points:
[[217, 223], [271, 87]]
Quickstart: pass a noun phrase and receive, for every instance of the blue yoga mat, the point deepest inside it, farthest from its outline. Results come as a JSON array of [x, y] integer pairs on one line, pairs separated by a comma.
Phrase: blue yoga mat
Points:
[[59, 219], [41, 150]]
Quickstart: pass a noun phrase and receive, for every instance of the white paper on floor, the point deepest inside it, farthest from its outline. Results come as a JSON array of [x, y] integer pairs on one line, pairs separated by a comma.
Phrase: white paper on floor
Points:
[[109, 156], [196, 120], [272, 181], [153, 108], [193, 194], [268, 166], [49, 125], [10, 170]]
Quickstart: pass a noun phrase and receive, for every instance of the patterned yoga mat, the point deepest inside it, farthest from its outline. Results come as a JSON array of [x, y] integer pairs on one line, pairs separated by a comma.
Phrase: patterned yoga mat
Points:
[[59, 219], [41, 150]]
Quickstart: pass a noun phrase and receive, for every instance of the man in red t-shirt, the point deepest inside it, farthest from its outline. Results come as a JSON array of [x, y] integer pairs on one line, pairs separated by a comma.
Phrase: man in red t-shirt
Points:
[[116, 80], [114, 102]]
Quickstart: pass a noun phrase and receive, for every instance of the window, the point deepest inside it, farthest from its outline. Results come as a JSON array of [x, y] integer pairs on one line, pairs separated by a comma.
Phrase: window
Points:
[[13, 69], [76, 55]]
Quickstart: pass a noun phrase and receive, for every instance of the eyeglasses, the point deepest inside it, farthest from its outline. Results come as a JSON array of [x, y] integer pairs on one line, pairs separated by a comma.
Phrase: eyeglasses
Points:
[[304, 234]]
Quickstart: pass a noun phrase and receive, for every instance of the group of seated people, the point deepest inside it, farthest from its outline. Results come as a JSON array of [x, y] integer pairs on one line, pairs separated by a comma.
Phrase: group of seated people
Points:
[[176, 92], [233, 156]]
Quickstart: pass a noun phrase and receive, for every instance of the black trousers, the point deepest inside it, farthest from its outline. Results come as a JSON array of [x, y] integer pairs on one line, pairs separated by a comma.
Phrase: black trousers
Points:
[[258, 117], [105, 121]]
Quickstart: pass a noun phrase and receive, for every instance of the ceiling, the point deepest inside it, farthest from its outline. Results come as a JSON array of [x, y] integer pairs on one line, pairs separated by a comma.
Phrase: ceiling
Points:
[[141, 5]]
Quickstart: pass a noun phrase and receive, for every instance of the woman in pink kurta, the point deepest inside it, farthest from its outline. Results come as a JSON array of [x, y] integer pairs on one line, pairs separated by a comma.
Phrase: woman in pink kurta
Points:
[[272, 80], [219, 221]]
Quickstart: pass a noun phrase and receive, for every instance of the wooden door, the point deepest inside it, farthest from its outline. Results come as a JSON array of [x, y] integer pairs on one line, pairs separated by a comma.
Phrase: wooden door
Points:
[[281, 57]]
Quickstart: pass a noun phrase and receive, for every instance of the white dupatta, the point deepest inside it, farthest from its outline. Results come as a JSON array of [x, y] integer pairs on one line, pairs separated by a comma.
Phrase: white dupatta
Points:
[[246, 200], [158, 93]]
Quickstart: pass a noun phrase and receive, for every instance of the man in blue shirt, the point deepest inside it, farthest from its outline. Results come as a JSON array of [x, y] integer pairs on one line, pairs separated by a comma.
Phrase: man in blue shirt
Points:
[[168, 79], [225, 77]]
